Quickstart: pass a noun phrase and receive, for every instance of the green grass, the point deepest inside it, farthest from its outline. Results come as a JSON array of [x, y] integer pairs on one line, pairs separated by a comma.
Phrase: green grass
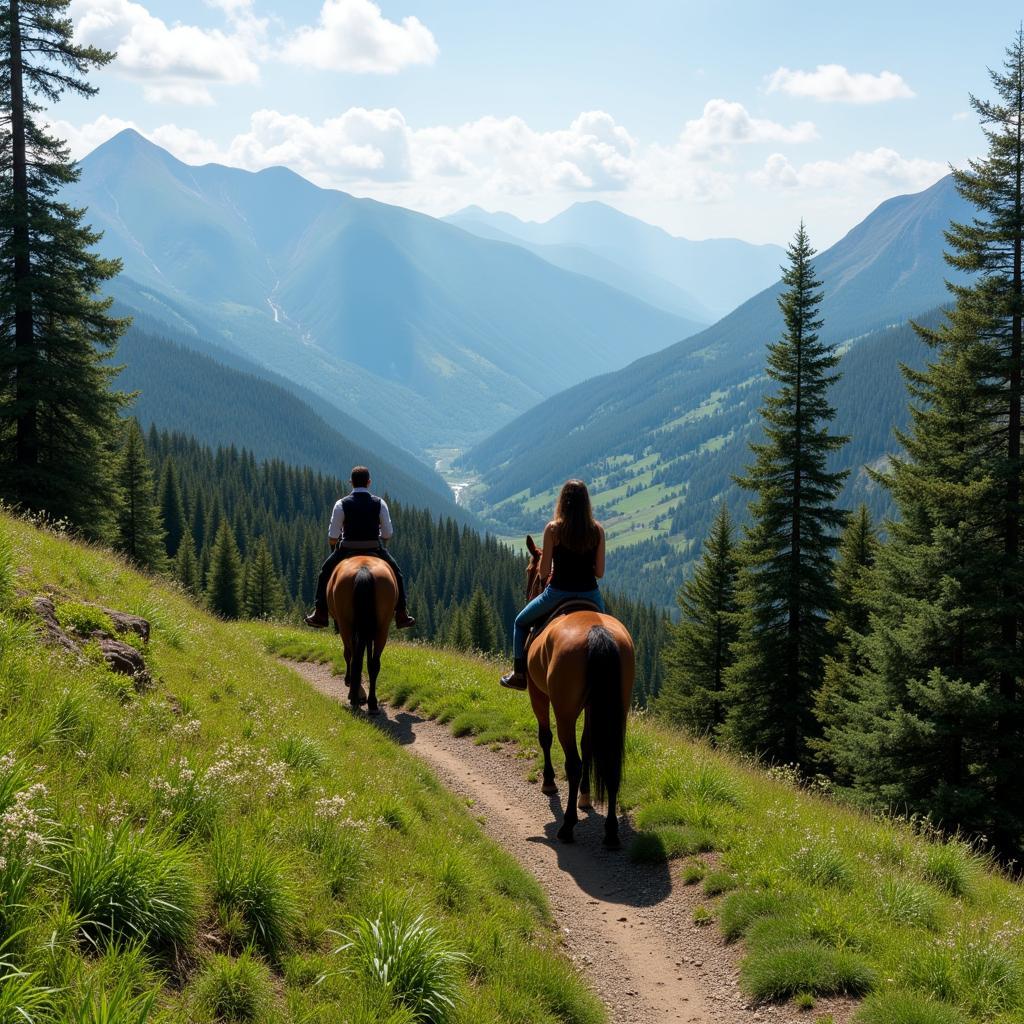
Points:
[[193, 853], [825, 899]]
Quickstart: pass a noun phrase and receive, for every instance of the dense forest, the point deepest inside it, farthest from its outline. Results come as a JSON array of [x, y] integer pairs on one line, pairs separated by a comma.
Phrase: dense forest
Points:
[[249, 537]]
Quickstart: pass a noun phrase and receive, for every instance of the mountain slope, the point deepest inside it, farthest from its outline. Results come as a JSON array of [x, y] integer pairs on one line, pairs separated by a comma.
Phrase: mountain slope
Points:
[[662, 437], [428, 332], [716, 274], [183, 390]]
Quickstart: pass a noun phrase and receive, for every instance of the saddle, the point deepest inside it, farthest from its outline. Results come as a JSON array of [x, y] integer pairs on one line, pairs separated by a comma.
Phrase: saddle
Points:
[[572, 604]]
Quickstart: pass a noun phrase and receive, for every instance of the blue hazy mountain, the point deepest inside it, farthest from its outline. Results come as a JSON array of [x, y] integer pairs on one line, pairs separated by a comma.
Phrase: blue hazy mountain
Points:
[[426, 332], [700, 279]]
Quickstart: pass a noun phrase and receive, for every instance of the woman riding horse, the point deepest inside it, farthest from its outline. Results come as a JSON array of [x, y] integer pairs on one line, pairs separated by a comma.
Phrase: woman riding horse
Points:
[[579, 661]]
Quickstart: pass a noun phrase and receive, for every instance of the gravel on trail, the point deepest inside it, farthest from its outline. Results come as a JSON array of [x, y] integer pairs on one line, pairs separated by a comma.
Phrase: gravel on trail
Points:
[[628, 927]]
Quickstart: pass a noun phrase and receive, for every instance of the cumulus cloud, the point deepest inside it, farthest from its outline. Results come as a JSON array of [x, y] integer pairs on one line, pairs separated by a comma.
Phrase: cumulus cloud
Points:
[[353, 35], [147, 47], [833, 83], [860, 171], [724, 123], [185, 94]]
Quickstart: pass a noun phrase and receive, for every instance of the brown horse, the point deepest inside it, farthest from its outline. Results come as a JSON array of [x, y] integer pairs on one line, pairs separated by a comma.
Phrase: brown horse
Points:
[[361, 599], [581, 661]]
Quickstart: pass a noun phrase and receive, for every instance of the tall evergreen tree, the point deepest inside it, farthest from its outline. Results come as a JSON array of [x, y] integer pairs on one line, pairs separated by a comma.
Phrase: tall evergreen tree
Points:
[[786, 589], [57, 410], [483, 634], [263, 591], [699, 647], [224, 577], [172, 508], [186, 565], [139, 533]]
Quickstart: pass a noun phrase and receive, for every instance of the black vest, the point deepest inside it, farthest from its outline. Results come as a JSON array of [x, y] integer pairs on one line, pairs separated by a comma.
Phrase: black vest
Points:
[[362, 517], [574, 570]]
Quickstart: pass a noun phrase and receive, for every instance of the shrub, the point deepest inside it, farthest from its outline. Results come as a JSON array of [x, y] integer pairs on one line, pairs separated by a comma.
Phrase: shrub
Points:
[[251, 889], [775, 974], [405, 958], [131, 885], [234, 989], [741, 909]]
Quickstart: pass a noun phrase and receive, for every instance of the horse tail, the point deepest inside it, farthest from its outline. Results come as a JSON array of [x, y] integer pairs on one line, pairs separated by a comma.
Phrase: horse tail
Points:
[[364, 619], [607, 715]]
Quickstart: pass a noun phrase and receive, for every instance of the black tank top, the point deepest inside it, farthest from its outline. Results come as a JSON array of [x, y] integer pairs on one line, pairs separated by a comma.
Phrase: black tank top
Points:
[[573, 570]]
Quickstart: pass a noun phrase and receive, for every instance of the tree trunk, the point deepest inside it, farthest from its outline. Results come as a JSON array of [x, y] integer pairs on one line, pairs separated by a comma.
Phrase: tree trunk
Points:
[[27, 430]]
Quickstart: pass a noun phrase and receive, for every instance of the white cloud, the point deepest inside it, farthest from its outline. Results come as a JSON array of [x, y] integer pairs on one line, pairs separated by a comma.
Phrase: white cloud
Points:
[[863, 170], [724, 124], [832, 83], [186, 94], [353, 35], [84, 138], [147, 47]]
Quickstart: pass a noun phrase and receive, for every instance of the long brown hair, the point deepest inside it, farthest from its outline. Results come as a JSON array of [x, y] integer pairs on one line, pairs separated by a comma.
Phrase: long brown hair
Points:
[[575, 527]]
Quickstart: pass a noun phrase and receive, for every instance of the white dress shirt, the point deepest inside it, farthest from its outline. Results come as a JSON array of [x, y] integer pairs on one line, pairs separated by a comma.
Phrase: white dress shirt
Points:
[[338, 517]]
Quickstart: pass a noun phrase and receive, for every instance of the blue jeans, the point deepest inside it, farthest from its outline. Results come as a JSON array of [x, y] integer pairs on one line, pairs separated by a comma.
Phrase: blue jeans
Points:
[[543, 603]]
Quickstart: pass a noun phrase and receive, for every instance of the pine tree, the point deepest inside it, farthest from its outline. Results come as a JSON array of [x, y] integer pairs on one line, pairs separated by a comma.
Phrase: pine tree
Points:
[[699, 648], [224, 577], [186, 565], [263, 592], [172, 508], [457, 632], [858, 550], [57, 411], [138, 531], [786, 591], [483, 636]]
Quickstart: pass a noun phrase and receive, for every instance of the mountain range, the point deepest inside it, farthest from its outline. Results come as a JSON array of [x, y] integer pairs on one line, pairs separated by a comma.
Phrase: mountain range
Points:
[[702, 280], [661, 439], [428, 333]]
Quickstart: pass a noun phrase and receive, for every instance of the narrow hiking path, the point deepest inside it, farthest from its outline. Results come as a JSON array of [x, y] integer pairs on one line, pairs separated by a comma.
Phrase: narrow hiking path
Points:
[[629, 927]]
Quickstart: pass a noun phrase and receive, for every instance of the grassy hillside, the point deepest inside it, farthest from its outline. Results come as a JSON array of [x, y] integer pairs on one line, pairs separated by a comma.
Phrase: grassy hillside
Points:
[[218, 842], [826, 898]]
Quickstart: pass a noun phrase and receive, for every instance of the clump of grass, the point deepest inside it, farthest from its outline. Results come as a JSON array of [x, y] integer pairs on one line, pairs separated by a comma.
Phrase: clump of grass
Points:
[[702, 916], [821, 863], [342, 853], [84, 619], [8, 570], [905, 902], [129, 885], [454, 883], [776, 974], [693, 873], [906, 1008], [710, 784], [742, 908], [22, 997], [301, 754], [718, 882], [950, 866], [121, 1005], [403, 958], [252, 891], [234, 988], [560, 991], [670, 842], [804, 1001]]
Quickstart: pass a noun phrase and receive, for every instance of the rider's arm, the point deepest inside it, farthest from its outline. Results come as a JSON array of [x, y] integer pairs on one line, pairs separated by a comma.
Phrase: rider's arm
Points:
[[599, 557], [547, 553], [337, 522], [387, 531]]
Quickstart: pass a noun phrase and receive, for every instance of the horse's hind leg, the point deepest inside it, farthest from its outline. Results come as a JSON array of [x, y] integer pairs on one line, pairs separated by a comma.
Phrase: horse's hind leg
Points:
[[588, 760], [542, 709], [574, 771], [373, 670]]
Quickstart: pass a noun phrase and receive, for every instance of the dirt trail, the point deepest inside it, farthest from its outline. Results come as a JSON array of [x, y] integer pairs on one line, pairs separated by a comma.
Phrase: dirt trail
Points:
[[628, 926]]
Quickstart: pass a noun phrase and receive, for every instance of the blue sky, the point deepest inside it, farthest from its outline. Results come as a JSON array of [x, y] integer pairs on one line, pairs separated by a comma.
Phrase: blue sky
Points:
[[709, 119]]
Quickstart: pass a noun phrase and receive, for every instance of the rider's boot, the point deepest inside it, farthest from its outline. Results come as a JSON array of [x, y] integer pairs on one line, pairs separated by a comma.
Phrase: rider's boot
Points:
[[317, 618], [403, 620], [516, 679]]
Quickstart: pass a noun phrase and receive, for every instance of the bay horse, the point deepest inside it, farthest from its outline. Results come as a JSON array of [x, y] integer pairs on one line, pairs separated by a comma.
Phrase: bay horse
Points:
[[361, 598], [581, 661]]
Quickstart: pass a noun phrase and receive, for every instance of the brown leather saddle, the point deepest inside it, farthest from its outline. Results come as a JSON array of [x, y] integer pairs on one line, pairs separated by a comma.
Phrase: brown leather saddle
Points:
[[572, 604]]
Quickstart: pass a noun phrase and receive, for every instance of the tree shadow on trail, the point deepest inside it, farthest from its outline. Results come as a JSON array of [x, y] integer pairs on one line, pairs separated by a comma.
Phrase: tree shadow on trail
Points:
[[606, 875]]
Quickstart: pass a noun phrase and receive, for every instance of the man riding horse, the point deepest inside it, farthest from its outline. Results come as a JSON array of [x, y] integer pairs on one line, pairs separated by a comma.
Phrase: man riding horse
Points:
[[360, 524]]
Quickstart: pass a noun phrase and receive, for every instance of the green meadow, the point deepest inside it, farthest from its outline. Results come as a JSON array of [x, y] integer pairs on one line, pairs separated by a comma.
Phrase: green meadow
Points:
[[825, 898], [224, 844]]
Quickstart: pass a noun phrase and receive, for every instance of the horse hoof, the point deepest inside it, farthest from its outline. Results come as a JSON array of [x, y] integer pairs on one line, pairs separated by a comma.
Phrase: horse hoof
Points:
[[549, 788], [373, 709], [585, 804], [565, 835]]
